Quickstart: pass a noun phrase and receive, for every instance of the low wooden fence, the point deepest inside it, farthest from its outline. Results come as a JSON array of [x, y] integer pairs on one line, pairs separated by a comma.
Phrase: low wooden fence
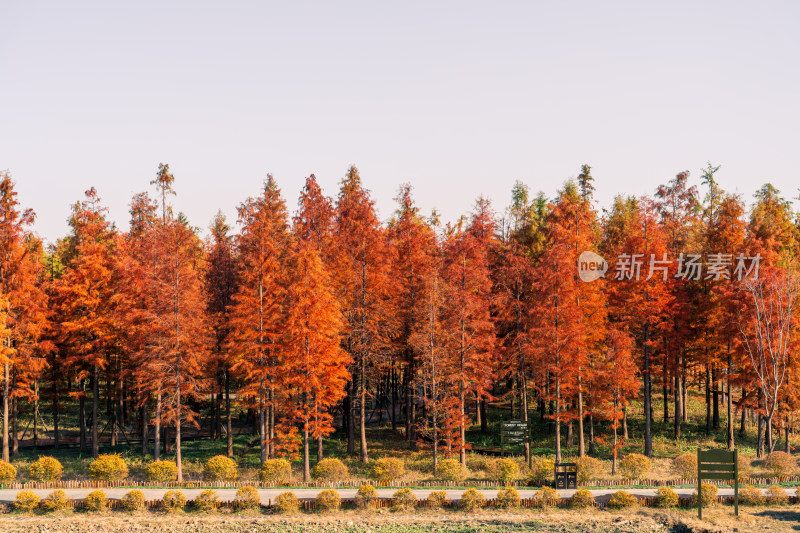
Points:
[[355, 483]]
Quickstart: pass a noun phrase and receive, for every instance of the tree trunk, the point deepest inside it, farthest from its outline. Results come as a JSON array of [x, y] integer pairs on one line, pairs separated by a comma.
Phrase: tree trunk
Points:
[[306, 460], [145, 427], [14, 427], [730, 404], [708, 400], [263, 433], [625, 423], [362, 413], [760, 446], [556, 419], [581, 443], [6, 387], [591, 435], [228, 419], [648, 416], [82, 415], [95, 411], [484, 418], [157, 429], [715, 393], [349, 408], [678, 395]]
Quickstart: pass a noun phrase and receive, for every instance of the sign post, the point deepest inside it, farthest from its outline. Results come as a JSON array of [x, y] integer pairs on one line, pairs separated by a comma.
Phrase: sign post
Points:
[[513, 432], [717, 465]]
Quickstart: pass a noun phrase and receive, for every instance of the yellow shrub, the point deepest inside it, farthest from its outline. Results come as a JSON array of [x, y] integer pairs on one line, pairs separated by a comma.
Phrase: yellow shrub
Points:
[[634, 466], [26, 501], [546, 497], [45, 469], [621, 500], [207, 500], [781, 464], [387, 469], [450, 470], [108, 467], [7, 472], [437, 498], [505, 470], [329, 470], [95, 501], [508, 497], [278, 471], [133, 500], [220, 468], [161, 472], [666, 497], [55, 501], [404, 500], [287, 503], [745, 468], [246, 498], [328, 500], [589, 468], [750, 495], [776, 495], [709, 494], [366, 494], [541, 472], [582, 499], [173, 500], [471, 499], [684, 466]]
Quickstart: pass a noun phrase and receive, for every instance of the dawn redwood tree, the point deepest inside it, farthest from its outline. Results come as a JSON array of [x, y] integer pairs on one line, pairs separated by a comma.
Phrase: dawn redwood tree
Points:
[[362, 280], [468, 320], [84, 298], [316, 365], [413, 270], [259, 306], [22, 302], [220, 280]]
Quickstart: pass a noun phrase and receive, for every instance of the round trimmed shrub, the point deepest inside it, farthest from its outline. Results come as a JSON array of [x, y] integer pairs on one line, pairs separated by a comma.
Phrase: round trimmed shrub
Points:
[[471, 499], [7, 472], [161, 471], [55, 501], [709, 495], [108, 467], [328, 500], [207, 500], [582, 499], [45, 469], [287, 503], [750, 495], [622, 500], [589, 468], [776, 495], [278, 471], [220, 468], [329, 469], [684, 466], [437, 498], [780, 464], [634, 466], [505, 470], [667, 498], [404, 500], [365, 496], [246, 498], [95, 501], [133, 500], [450, 470], [173, 500], [745, 468], [546, 497], [26, 501], [387, 469], [541, 472], [508, 497]]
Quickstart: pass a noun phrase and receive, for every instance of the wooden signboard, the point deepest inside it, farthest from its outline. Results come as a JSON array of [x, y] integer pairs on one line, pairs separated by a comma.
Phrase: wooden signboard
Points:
[[513, 432], [717, 465]]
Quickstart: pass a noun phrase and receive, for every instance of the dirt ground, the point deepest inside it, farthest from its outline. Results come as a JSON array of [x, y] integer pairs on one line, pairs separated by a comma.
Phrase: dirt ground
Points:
[[777, 519]]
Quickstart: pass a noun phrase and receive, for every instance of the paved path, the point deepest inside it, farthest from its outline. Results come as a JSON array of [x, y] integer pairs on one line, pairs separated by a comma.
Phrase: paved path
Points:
[[8, 495]]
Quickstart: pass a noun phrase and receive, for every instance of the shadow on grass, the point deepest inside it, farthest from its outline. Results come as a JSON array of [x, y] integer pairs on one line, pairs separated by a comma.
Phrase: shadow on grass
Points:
[[787, 515]]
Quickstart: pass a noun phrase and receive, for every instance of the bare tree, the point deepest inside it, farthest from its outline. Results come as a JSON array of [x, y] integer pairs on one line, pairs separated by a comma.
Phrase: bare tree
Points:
[[767, 334]]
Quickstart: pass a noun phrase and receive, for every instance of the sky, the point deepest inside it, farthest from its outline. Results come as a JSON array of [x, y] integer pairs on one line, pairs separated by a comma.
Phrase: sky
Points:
[[460, 99]]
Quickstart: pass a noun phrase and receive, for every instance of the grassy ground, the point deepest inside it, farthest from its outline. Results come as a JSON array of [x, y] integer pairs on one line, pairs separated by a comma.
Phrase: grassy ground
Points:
[[720, 519], [419, 464]]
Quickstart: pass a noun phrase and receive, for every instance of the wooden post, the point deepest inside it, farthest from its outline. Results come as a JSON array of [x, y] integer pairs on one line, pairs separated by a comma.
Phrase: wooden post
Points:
[[699, 487]]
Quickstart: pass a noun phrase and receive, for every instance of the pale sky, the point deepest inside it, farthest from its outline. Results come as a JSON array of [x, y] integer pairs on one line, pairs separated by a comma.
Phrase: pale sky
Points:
[[458, 98]]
